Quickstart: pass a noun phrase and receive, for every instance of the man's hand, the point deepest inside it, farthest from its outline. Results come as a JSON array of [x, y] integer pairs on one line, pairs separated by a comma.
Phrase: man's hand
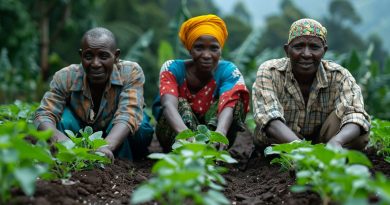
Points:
[[107, 151], [59, 137], [334, 144]]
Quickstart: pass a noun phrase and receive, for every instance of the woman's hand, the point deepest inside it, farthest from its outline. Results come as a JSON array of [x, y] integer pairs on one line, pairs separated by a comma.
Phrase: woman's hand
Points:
[[107, 151]]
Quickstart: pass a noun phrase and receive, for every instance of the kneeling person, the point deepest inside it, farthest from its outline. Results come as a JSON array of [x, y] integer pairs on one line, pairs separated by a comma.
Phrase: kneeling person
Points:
[[203, 89], [305, 97], [102, 92]]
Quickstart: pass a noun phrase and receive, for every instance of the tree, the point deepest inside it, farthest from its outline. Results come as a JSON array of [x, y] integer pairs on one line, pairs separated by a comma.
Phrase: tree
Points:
[[239, 26], [342, 11], [276, 30], [55, 19], [341, 37]]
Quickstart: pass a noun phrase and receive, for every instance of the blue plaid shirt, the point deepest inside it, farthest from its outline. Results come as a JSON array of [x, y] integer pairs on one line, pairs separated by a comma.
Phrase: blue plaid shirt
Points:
[[122, 100]]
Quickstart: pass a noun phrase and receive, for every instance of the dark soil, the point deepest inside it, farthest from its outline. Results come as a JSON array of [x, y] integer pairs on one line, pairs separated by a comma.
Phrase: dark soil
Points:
[[251, 181]]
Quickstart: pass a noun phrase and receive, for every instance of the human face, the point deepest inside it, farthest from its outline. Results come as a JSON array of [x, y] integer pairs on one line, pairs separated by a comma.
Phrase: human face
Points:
[[98, 58], [205, 53], [305, 53]]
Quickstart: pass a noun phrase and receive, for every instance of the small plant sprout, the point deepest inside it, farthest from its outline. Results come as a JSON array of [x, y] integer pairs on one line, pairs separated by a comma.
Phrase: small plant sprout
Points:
[[189, 173], [340, 176], [22, 162], [79, 153]]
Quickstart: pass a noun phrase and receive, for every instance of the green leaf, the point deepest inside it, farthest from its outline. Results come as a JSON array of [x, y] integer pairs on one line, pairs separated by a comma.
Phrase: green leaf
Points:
[[218, 197], [41, 135], [97, 143], [96, 136], [9, 156], [269, 150], [65, 157], [218, 137], [156, 156], [29, 151], [27, 177], [228, 158], [358, 170], [201, 138], [215, 186], [203, 129], [177, 144], [142, 194], [356, 157], [88, 130], [70, 134], [185, 134], [299, 188]]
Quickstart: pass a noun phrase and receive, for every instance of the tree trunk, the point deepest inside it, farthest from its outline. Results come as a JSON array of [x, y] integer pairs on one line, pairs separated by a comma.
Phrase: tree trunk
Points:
[[44, 30]]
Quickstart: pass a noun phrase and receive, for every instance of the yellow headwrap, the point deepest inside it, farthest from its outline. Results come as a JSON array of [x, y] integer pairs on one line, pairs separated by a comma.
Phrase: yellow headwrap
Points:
[[195, 27]]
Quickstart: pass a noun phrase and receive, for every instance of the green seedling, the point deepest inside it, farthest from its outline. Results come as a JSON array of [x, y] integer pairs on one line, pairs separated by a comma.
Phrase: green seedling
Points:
[[380, 138], [189, 173], [336, 175], [17, 111], [22, 162], [79, 153]]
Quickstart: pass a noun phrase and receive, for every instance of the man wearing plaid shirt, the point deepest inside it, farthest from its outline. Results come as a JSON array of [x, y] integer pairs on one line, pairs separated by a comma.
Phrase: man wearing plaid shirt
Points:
[[102, 92], [304, 97]]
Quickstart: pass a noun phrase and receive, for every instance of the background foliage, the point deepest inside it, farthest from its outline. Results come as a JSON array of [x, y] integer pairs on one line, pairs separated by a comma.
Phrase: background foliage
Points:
[[39, 37]]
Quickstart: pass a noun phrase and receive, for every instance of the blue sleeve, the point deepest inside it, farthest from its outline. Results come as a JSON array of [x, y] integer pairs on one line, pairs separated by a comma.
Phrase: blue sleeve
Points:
[[177, 68], [227, 76]]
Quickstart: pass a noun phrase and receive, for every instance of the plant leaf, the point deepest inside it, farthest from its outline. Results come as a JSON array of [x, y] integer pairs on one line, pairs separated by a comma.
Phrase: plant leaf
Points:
[[185, 134], [142, 194], [218, 137], [203, 129], [96, 135]]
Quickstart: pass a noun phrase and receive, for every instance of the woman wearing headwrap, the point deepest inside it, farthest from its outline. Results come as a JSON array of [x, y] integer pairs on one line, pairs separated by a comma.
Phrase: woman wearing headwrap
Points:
[[203, 89], [303, 96]]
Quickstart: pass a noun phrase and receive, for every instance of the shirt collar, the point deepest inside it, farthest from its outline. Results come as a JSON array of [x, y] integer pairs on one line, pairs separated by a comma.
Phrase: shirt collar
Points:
[[80, 82]]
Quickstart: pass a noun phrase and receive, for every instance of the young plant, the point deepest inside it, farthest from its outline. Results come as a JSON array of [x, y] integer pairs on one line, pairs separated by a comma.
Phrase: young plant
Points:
[[189, 173], [336, 175], [22, 162], [79, 153], [17, 111], [380, 138]]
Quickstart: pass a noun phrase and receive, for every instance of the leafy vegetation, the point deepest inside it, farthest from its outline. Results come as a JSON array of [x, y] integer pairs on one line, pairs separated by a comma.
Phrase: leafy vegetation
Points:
[[25, 154], [22, 162], [17, 111], [380, 138], [340, 176], [189, 173], [79, 153]]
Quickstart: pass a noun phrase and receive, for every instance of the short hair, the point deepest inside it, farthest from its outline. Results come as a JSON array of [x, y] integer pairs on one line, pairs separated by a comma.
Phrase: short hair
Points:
[[99, 32]]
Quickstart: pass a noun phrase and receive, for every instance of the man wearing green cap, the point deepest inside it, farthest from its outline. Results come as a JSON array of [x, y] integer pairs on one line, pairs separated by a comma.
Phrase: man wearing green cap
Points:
[[303, 96]]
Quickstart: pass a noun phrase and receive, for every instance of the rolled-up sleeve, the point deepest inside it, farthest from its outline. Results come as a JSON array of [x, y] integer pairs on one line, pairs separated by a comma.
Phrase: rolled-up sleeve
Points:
[[131, 99], [53, 101], [350, 105], [266, 106]]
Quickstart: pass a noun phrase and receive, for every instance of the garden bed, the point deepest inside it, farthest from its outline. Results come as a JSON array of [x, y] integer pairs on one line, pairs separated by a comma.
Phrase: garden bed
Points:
[[252, 181]]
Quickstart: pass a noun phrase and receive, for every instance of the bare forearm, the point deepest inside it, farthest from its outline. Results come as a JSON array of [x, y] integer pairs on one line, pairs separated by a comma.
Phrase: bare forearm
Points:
[[170, 107], [348, 133], [279, 131], [174, 119], [225, 119], [57, 135], [117, 135]]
